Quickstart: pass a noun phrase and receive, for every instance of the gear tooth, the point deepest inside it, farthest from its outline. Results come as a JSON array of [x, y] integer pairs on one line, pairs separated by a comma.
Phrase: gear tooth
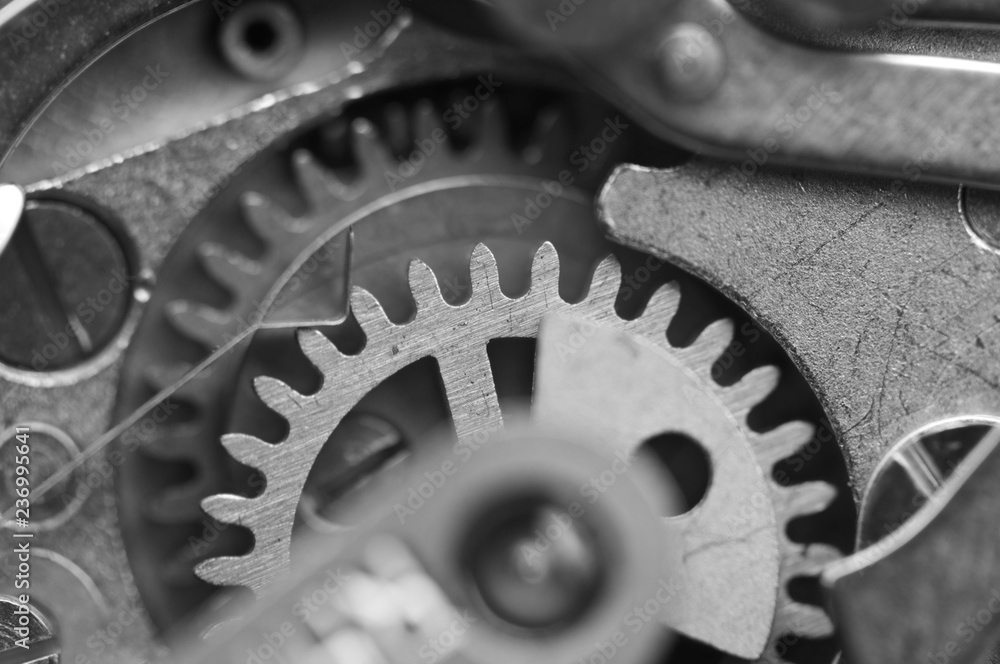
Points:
[[547, 136], [659, 312], [802, 500], [318, 349], [483, 269], [808, 621], [426, 119], [228, 268], [493, 135], [545, 270], [710, 344], [218, 571], [606, 283], [248, 450], [322, 187], [781, 443], [202, 324], [368, 311], [226, 508], [178, 504], [397, 127], [751, 390], [807, 560], [268, 220], [372, 157], [279, 397], [424, 286]]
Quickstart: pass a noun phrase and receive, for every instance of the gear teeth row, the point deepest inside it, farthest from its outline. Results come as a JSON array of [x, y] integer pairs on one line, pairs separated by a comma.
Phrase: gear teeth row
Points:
[[324, 192], [270, 557], [179, 442], [284, 236]]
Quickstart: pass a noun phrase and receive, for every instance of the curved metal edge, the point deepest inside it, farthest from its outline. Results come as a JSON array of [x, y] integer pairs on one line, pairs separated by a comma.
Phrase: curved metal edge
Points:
[[44, 45]]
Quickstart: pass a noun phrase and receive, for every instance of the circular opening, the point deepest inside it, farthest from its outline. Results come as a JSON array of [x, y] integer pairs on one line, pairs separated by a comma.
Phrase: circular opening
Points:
[[262, 40], [65, 288], [534, 565], [42, 450], [261, 36], [688, 464], [914, 470]]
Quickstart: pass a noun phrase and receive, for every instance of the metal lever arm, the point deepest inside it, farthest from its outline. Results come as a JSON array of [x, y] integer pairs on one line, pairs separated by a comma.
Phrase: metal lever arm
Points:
[[701, 74]]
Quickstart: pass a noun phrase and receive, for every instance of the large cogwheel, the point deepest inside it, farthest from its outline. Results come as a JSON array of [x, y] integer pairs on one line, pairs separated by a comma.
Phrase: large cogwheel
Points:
[[733, 591], [237, 261]]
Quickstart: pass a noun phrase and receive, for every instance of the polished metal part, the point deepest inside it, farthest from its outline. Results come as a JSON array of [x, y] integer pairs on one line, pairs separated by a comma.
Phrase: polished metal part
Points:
[[626, 385], [457, 336], [930, 591], [65, 288], [855, 277]]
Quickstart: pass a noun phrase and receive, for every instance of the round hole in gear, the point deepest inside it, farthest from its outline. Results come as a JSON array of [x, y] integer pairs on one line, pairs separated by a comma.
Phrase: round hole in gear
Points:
[[688, 464]]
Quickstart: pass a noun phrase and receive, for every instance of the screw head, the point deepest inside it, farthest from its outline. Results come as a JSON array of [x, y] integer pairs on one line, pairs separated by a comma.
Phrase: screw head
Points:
[[691, 61], [64, 288]]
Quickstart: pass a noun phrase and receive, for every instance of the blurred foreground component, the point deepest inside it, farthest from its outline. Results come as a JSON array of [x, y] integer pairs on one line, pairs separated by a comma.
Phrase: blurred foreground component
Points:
[[498, 557], [930, 590]]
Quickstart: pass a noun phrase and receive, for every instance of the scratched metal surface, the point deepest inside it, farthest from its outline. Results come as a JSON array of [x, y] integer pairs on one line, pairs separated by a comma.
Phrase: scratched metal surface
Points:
[[878, 291]]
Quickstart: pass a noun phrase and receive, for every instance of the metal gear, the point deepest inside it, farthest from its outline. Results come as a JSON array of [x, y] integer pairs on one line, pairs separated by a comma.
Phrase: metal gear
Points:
[[183, 461], [717, 555]]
